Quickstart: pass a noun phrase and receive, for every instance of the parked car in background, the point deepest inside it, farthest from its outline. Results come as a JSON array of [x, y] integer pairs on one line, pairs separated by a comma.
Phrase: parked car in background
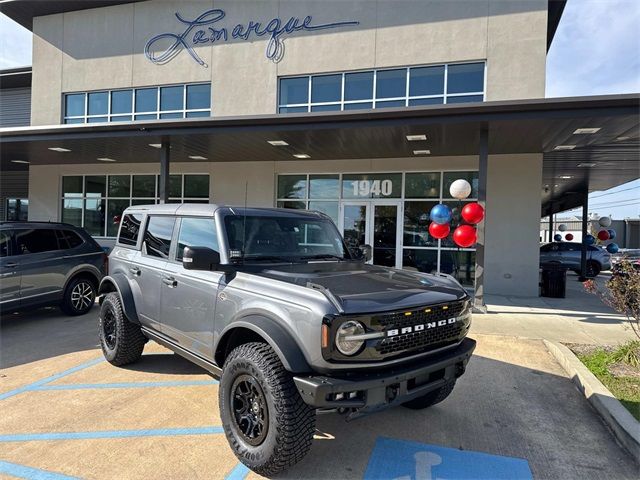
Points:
[[568, 254], [49, 264], [630, 254]]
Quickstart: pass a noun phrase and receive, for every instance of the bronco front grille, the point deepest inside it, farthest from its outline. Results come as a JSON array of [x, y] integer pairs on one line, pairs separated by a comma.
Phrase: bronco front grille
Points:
[[427, 337]]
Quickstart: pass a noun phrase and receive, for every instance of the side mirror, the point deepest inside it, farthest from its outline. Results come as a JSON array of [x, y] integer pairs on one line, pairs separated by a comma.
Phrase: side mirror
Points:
[[366, 252], [200, 258]]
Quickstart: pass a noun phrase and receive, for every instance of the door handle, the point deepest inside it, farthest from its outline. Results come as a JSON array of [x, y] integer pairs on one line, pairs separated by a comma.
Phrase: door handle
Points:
[[10, 265], [135, 271], [170, 281]]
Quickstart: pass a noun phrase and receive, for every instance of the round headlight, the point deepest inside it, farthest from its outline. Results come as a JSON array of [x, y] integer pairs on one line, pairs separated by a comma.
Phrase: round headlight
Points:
[[349, 347]]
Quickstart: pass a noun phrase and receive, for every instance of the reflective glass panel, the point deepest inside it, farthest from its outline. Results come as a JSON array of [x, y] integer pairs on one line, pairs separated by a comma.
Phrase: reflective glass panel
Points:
[[422, 185], [199, 114], [414, 102], [358, 106], [464, 78], [198, 96], [72, 186], [358, 86], [94, 216], [326, 88], [372, 185], [293, 109], [157, 237], [328, 208], [416, 224], [98, 103], [450, 177], [175, 185], [97, 120], [144, 186], [119, 185], [385, 227], [460, 264], [171, 98], [294, 205], [95, 185], [324, 186], [465, 99], [390, 104], [114, 215], [426, 81], [292, 186], [326, 108], [72, 211], [294, 90], [197, 232], [146, 100], [196, 186], [74, 105], [420, 260], [121, 101], [391, 83]]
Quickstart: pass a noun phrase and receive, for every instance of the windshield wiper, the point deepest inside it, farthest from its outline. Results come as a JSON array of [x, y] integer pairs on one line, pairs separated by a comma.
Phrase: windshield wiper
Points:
[[268, 258], [322, 256]]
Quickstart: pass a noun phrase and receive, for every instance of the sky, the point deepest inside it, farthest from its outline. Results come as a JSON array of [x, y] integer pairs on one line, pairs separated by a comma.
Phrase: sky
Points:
[[596, 51]]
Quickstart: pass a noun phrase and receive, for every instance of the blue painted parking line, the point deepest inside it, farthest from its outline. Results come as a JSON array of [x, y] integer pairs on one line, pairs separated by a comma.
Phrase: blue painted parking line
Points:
[[30, 473], [404, 460], [160, 432], [239, 472], [52, 378], [89, 386]]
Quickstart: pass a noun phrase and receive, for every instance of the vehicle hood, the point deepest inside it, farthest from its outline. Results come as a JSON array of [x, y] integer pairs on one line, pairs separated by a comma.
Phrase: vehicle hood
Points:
[[363, 288]]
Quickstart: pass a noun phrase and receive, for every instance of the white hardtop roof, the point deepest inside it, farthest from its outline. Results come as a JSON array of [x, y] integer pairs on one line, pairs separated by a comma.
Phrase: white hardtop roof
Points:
[[209, 209]]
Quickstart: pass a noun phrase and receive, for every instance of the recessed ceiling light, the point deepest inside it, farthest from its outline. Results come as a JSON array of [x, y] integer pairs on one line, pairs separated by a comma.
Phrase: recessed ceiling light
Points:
[[586, 131], [565, 177], [416, 138], [622, 139], [593, 164], [59, 149], [564, 147], [422, 152], [277, 143], [20, 161], [301, 155], [197, 157], [106, 159], [155, 145]]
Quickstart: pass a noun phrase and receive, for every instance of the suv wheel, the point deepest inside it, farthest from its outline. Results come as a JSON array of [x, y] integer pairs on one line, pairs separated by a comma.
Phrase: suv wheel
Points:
[[79, 296], [593, 269], [122, 342], [431, 398], [267, 424]]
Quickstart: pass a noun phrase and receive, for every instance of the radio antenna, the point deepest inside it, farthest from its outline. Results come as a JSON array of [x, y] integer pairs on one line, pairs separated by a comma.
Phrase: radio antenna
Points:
[[244, 220]]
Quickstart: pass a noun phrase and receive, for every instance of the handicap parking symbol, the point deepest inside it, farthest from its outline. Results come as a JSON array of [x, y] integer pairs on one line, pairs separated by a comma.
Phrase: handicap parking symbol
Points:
[[403, 460]]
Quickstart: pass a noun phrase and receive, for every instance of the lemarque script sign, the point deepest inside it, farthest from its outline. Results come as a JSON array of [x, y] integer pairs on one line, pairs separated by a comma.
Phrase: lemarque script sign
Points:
[[202, 31]]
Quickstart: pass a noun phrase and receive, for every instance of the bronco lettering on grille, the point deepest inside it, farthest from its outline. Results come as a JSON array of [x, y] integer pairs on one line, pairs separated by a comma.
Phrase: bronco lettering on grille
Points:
[[420, 327]]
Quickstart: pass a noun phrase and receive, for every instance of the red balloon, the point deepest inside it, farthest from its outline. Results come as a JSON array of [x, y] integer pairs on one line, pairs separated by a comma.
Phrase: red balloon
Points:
[[603, 235], [472, 213], [437, 230], [465, 235], [569, 237]]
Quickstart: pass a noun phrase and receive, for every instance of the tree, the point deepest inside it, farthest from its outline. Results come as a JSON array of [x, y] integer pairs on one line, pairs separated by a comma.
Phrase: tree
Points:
[[622, 292]]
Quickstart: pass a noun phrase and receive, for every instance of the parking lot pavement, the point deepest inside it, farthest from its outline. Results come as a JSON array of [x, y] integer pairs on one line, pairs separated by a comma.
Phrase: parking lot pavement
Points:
[[68, 413]]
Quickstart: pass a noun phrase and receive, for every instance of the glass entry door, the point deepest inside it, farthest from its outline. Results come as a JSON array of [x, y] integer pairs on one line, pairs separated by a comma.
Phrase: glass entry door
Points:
[[376, 223]]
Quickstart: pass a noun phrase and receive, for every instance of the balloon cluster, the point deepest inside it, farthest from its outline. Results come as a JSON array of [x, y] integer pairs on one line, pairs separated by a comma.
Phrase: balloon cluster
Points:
[[607, 234], [464, 235]]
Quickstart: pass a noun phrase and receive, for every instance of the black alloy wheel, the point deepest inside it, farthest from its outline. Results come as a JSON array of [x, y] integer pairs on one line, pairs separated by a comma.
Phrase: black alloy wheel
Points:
[[250, 411]]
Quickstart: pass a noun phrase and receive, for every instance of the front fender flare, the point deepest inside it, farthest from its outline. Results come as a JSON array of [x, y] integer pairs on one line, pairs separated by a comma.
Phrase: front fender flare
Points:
[[275, 335], [120, 284]]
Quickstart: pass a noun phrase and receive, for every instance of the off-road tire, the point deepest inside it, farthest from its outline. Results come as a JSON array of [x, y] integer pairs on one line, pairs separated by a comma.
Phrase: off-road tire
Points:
[[291, 422], [123, 342], [430, 398], [79, 296]]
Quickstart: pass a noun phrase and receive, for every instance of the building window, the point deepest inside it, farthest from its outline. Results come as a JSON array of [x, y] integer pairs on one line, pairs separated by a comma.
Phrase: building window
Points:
[[17, 209], [148, 103], [96, 202], [417, 193], [396, 87]]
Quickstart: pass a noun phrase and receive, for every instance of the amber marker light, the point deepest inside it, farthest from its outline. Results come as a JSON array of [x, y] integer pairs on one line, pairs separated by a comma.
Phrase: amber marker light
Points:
[[325, 336], [407, 314], [428, 310]]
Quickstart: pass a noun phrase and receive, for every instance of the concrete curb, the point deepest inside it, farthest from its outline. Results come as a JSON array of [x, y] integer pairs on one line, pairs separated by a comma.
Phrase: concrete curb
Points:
[[625, 428]]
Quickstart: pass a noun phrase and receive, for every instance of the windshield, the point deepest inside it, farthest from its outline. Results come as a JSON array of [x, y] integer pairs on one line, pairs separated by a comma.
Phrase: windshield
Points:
[[283, 238]]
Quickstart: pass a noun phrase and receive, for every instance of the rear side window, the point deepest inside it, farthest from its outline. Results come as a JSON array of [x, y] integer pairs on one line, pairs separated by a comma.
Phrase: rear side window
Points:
[[197, 232], [5, 243], [157, 237], [129, 229], [38, 240], [68, 239]]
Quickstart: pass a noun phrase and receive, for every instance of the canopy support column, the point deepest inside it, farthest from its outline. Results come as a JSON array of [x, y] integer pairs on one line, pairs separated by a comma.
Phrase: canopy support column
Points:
[[583, 246], [165, 161], [551, 223], [483, 165]]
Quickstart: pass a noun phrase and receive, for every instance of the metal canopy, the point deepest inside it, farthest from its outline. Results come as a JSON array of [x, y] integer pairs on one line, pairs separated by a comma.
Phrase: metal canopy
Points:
[[600, 160]]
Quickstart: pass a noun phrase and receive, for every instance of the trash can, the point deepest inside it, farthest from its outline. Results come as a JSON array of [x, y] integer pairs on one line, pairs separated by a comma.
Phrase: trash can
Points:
[[554, 281]]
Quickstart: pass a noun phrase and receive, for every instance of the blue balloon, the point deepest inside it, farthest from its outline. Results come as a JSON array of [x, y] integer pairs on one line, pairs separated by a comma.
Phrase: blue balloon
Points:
[[589, 239], [612, 233], [557, 237], [440, 214], [613, 248]]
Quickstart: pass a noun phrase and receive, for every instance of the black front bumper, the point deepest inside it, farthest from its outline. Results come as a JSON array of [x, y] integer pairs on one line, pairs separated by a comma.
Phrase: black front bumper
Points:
[[376, 390]]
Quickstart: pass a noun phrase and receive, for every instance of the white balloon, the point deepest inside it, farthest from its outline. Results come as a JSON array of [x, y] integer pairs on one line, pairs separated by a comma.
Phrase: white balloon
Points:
[[460, 189], [605, 221], [562, 227]]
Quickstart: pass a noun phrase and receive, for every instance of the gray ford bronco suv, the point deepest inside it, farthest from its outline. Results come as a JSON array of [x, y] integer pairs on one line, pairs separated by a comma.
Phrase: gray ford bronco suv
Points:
[[274, 304]]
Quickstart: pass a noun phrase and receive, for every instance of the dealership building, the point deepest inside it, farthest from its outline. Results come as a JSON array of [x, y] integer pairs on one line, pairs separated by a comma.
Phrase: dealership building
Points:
[[364, 110]]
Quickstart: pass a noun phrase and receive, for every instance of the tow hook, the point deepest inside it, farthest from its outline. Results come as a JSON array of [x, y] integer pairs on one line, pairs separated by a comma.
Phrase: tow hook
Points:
[[392, 392]]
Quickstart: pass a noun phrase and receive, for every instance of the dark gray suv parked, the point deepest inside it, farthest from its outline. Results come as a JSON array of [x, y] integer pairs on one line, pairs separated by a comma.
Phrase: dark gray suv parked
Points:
[[291, 320], [49, 264]]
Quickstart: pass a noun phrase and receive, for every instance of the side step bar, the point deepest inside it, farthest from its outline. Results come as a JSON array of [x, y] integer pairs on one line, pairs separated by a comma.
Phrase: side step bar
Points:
[[165, 342]]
